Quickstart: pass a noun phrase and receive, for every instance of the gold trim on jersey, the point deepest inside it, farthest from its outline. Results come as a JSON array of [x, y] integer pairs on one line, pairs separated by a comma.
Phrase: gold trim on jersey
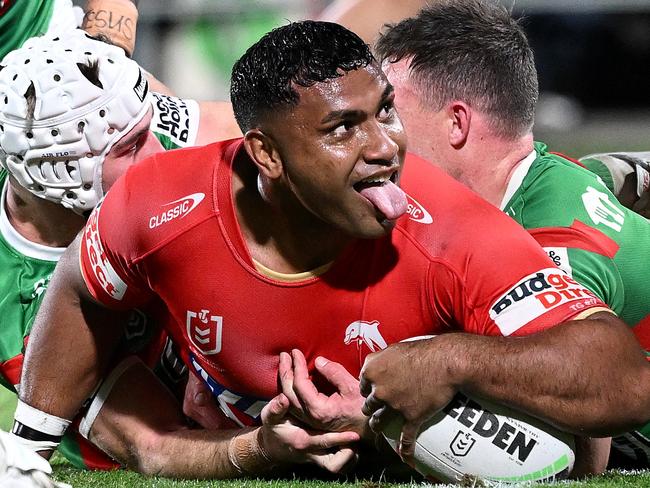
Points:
[[291, 277], [591, 311]]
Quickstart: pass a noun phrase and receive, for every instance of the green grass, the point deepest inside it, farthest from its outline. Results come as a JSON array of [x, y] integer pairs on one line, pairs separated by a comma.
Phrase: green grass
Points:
[[65, 472]]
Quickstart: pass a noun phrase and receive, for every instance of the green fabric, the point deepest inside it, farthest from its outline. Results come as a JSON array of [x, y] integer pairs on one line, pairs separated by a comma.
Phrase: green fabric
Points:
[[555, 193], [601, 169], [24, 19]]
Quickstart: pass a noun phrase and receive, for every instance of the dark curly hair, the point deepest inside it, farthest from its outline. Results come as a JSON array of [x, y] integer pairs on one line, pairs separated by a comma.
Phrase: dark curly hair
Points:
[[300, 53]]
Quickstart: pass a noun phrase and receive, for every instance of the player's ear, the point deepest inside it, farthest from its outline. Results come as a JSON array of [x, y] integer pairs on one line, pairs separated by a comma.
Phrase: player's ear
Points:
[[261, 148], [460, 117]]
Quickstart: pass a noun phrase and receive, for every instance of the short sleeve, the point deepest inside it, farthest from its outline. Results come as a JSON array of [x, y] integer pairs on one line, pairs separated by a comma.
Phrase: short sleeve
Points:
[[107, 251]]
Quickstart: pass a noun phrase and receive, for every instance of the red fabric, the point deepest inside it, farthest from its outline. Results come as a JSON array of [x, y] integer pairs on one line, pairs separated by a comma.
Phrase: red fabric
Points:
[[579, 235], [446, 266]]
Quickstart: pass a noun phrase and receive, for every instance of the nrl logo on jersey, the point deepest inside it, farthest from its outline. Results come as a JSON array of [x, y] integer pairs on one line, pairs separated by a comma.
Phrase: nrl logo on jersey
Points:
[[535, 295], [204, 331], [176, 209], [362, 332]]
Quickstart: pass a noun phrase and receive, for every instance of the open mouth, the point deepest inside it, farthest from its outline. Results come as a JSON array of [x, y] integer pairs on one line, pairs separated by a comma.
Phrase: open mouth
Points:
[[383, 194]]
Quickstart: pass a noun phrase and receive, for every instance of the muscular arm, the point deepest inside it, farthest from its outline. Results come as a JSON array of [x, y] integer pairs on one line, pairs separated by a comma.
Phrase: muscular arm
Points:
[[587, 376], [71, 342]]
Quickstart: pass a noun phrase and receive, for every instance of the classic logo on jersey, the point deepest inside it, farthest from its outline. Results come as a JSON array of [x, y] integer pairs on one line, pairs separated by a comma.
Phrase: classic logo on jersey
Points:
[[104, 272], [172, 117], [506, 436], [535, 295], [462, 444], [367, 333], [177, 208], [204, 331], [417, 212], [601, 210]]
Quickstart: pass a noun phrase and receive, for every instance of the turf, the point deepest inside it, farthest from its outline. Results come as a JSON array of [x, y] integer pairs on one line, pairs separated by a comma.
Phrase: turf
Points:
[[63, 471]]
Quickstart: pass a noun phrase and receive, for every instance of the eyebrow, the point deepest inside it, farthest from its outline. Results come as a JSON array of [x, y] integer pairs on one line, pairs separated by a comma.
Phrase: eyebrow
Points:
[[133, 139], [354, 114]]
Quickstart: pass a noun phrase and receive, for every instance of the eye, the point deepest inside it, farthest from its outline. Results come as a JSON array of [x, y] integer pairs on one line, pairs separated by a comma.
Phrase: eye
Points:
[[342, 129], [386, 110]]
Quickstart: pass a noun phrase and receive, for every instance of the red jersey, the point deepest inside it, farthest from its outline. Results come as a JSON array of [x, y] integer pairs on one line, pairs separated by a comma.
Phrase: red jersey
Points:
[[167, 231]]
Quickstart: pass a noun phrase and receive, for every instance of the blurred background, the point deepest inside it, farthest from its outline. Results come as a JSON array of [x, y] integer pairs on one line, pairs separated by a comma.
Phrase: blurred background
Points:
[[593, 58]]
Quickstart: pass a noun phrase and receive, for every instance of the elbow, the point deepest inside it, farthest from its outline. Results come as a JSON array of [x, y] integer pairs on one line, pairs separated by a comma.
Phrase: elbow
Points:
[[148, 455]]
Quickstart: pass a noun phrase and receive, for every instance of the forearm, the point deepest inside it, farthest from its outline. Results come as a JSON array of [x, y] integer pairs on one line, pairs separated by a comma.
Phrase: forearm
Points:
[[588, 377], [65, 357], [115, 20]]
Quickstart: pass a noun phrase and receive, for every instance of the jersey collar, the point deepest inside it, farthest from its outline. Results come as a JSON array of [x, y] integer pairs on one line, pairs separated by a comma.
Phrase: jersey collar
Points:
[[517, 178]]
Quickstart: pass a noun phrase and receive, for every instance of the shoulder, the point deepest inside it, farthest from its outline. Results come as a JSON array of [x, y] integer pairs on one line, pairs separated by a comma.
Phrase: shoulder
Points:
[[447, 218], [163, 195]]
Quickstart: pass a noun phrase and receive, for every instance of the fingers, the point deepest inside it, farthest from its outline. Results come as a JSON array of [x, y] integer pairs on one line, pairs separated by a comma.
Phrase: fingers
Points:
[[406, 448], [336, 462], [328, 440], [285, 373], [276, 410], [371, 404], [336, 374], [381, 418], [303, 387]]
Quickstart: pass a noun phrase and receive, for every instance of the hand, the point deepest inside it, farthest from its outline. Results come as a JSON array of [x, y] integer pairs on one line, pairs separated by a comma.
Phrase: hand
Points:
[[407, 378], [338, 412], [284, 441], [199, 405]]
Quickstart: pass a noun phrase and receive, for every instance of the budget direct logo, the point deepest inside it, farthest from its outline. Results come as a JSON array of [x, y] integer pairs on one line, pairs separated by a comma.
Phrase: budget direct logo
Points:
[[104, 272], [535, 295], [176, 209]]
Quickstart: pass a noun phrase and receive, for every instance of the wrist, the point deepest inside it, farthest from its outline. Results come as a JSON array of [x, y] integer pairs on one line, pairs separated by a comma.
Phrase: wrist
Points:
[[115, 20], [247, 453]]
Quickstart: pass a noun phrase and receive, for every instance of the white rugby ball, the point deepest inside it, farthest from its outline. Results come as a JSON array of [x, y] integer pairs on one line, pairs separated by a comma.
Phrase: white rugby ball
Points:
[[475, 437]]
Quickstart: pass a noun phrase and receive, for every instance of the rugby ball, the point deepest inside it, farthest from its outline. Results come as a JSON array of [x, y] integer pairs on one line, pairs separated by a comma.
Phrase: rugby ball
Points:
[[472, 437]]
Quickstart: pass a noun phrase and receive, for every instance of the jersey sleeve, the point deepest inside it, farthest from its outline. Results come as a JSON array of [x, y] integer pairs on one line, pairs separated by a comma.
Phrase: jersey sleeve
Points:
[[583, 228], [505, 284], [108, 247], [175, 121]]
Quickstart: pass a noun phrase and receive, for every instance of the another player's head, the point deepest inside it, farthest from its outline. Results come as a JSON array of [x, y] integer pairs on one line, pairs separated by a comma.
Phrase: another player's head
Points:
[[469, 51], [319, 123], [73, 113]]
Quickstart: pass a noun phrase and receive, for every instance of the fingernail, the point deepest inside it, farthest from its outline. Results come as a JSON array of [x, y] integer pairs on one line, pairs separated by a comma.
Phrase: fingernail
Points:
[[201, 398], [320, 361]]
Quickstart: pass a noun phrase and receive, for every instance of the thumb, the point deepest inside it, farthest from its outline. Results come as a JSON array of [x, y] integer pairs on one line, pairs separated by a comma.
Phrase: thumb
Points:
[[336, 374], [276, 410]]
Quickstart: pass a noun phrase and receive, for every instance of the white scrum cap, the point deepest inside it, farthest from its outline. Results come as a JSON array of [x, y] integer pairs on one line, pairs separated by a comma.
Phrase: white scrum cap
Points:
[[57, 153]]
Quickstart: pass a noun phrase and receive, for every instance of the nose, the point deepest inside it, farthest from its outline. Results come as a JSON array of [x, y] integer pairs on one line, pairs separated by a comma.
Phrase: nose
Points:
[[381, 148]]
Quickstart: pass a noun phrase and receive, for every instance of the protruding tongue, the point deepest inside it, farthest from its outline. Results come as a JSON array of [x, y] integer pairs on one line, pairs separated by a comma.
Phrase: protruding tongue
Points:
[[388, 198]]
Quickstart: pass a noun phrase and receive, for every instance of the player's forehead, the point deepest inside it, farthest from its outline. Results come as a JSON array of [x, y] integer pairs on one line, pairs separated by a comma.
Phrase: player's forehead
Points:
[[360, 89]]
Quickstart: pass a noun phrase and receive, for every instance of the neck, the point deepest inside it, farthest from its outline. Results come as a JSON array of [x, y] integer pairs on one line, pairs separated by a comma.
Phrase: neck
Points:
[[39, 220], [279, 232], [493, 164]]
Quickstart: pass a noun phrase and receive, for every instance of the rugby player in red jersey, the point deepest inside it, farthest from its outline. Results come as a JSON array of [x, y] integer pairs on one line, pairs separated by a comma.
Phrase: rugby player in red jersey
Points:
[[298, 236]]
